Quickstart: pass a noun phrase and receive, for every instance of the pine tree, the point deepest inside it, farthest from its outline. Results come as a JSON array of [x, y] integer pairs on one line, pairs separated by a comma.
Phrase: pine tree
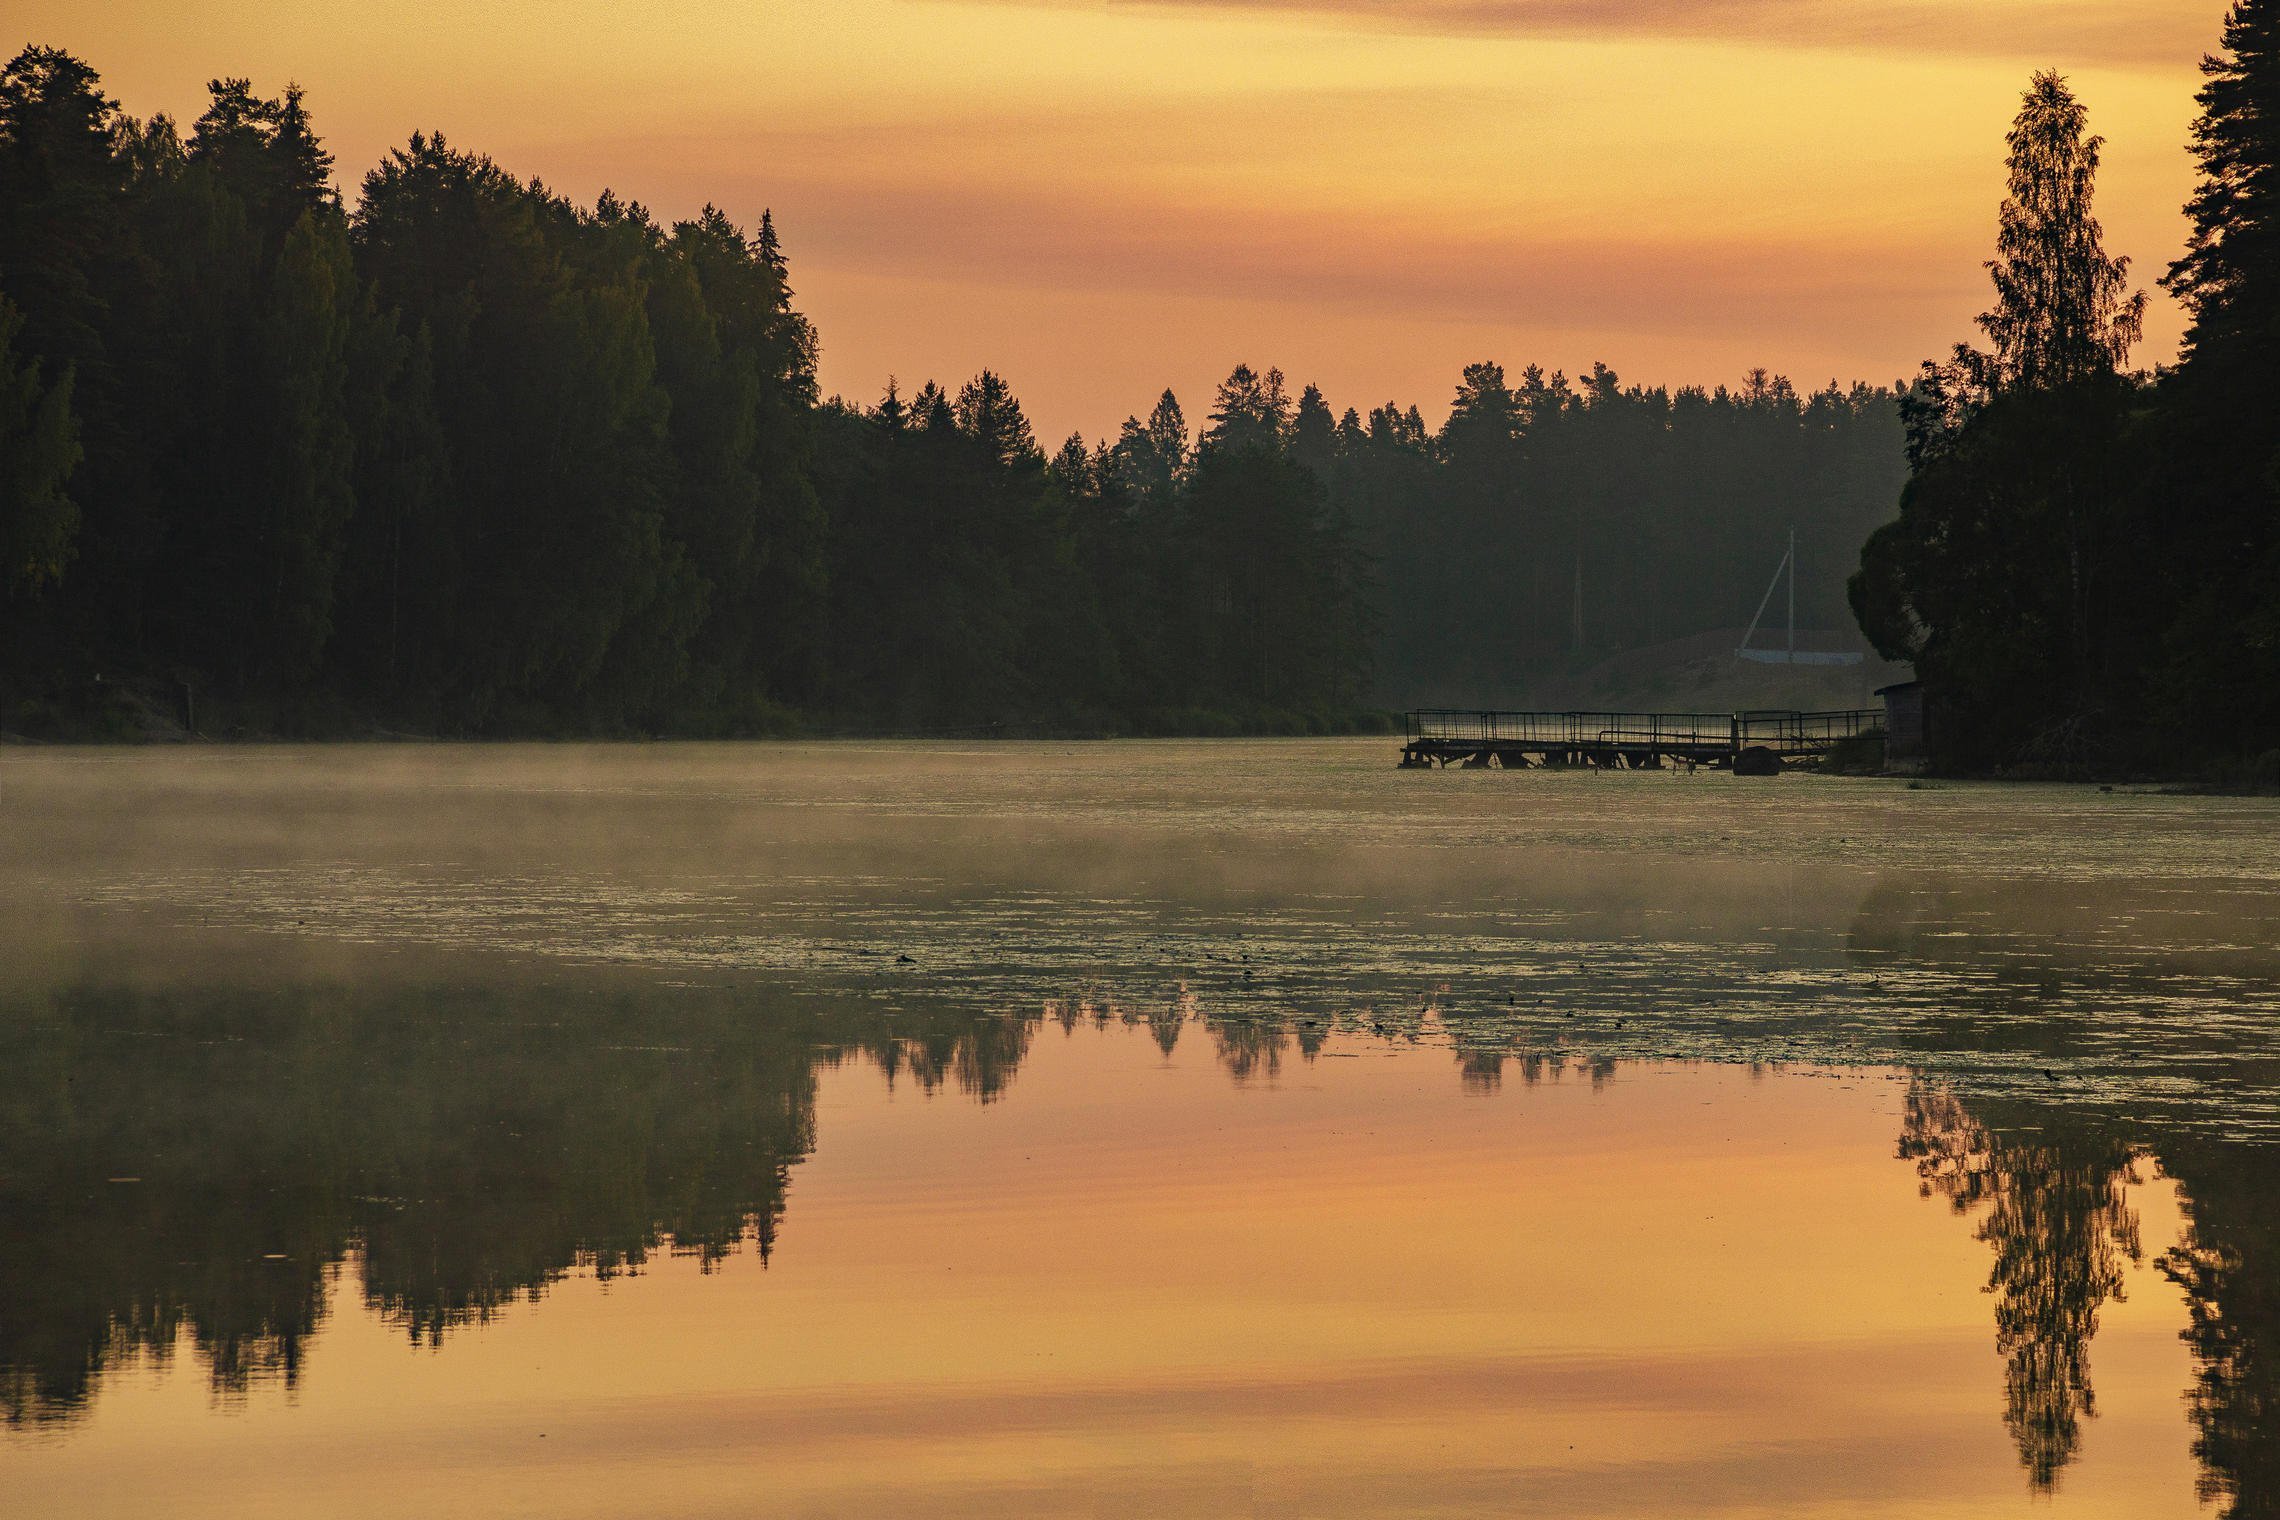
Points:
[[266, 153], [62, 184], [1485, 413], [1251, 411]]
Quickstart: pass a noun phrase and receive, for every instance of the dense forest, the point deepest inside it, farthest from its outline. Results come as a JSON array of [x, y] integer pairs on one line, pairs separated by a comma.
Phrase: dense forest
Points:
[[2086, 566], [1548, 523], [463, 457]]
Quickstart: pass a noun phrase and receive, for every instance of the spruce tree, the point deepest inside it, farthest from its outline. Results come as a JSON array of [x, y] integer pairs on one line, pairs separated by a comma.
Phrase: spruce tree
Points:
[[890, 414], [1167, 430], [1314, 434], [2229, 277], [988, 413], [2215, 513], [1150, 459], [767, 247]]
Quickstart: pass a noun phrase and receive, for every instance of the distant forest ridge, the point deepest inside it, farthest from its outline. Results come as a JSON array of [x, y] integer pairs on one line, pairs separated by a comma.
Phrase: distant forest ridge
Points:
[[465, 458]]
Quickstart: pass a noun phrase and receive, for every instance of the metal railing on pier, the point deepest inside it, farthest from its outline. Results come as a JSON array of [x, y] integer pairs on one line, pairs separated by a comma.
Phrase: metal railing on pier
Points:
[[1580, 728], [1784, 732]]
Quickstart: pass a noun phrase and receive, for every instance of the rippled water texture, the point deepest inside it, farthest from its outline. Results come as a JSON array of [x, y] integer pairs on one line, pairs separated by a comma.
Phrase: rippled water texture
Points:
[[1126, 1129]]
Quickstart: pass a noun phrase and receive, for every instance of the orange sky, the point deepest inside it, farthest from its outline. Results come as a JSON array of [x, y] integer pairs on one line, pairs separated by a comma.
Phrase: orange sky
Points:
[[1102, 197]]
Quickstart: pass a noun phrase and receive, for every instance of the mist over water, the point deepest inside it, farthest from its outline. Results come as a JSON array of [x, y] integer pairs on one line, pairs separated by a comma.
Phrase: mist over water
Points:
[[1189, 1127], [1979, 931]]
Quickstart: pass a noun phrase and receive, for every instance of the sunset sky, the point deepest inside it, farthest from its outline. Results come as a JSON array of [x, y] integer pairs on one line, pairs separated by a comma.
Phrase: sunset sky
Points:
[[1099, 198]]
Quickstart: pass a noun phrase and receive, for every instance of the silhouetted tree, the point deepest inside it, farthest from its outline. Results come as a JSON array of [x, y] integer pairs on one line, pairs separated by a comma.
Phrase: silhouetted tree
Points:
[[2211, 505], [2229, 276], [1996, 579], [2064, 312], [39, 450]]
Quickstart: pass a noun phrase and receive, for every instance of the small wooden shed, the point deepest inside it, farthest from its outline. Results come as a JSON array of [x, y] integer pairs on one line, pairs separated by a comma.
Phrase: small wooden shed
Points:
[[1907, 726]]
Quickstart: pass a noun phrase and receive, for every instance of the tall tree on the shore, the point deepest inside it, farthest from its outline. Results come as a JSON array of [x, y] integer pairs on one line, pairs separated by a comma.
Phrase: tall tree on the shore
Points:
[[1271, 590], [2064, 312], [2219, 507], [63, 182], [72, 261], [739, 363], [2229, 276], [264, 300], [1997, 576]]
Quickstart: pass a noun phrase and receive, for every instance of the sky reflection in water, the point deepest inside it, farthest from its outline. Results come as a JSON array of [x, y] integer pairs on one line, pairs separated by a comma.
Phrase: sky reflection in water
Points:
[[1210, 1152]]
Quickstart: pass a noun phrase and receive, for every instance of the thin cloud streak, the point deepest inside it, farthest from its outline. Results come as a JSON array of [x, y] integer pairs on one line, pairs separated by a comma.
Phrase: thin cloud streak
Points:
[[1355, 262], [1374, 313], [863, 206], [2150, 34], [933, 253]]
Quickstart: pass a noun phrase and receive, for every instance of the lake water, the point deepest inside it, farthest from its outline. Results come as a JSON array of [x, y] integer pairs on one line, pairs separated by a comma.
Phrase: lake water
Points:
[[1126, 1129]]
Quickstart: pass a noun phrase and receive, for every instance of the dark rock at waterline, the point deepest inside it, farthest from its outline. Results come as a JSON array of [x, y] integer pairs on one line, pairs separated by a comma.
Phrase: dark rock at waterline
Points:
[[1757, 760]]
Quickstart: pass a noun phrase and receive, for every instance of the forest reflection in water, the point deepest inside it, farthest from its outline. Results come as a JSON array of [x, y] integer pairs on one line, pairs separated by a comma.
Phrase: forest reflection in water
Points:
[[1411, 1138], [216, 1172]]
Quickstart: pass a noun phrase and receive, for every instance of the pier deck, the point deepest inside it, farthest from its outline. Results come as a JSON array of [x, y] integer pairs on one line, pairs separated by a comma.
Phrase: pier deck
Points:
[[1625, 741]]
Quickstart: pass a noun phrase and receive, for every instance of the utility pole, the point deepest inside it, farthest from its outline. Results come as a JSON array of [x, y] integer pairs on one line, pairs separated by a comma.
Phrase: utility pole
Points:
[[1579, 598], [1788, 566], [1793, 595]]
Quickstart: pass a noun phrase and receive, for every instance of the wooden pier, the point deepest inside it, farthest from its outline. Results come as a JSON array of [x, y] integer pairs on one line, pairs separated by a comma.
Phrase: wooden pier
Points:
[[1630, 741]]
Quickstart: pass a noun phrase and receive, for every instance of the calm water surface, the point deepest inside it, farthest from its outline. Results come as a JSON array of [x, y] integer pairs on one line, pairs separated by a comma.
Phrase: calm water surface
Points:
[[1148, 1129]]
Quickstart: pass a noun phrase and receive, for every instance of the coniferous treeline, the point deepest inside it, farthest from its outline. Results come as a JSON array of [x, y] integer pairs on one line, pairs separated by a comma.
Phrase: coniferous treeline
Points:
[[1180, 584], [2086, 567], [465, 457], [470, 458], [1550, 522]]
